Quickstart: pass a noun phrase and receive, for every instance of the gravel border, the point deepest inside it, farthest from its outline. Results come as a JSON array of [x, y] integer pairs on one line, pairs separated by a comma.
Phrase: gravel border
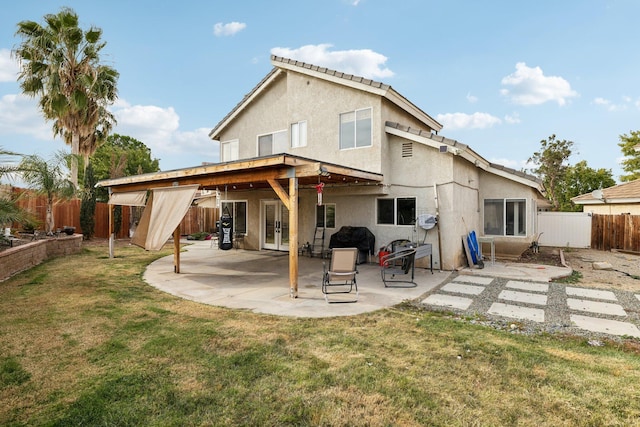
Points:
[[557, 312]]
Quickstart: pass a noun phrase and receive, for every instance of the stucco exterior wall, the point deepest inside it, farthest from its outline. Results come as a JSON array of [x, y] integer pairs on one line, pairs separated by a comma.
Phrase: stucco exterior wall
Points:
[[294, 97], [496, 187]]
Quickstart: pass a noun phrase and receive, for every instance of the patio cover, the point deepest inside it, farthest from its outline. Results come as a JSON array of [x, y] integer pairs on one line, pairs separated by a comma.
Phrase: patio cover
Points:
[[275, 172], [130, 198]]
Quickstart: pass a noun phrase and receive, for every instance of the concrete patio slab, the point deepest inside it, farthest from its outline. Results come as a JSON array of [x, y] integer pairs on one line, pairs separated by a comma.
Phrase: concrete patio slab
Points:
[[606, 326], [528, 286], [259, 281], [591, 293], [459, 288], [523, 297], [519, 271], [517, 312], [478, 280], [596, 307], [453, 301]]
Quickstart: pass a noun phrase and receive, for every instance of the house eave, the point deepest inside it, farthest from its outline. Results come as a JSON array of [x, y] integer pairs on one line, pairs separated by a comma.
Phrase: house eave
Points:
[[607, 201]]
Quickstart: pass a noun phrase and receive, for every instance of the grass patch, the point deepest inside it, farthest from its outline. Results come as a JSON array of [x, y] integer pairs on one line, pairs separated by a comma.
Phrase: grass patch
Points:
[[573, 278], [90, 343]]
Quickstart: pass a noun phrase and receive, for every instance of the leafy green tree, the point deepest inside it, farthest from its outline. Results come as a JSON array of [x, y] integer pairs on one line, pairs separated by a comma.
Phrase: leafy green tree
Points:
[[630, 146], [551, 166], [581, 179], [60, 64], [88, 204], [47, 177], [120, 156]]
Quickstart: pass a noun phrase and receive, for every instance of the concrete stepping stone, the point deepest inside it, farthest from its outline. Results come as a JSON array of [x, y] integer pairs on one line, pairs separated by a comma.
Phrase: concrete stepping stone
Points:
[[607, 326], [478, 280], [596, 307], [517, 312], [460, 288], [523, 297], [528, 286], [638, 296], [452, 301], [591, 293]]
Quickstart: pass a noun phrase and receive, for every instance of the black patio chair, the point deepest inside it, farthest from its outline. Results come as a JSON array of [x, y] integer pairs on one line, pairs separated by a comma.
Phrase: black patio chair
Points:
[[398, 268]]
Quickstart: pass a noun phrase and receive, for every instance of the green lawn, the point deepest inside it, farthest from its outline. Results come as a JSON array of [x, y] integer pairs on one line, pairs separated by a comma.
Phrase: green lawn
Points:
[[84, 341]]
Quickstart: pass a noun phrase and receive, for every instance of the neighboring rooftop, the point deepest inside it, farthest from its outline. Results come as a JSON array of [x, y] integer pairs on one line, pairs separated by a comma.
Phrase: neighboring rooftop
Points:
[[628, 192]]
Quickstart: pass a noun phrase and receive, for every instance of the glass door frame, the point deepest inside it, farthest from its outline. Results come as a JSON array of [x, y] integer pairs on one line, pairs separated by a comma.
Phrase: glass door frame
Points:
[[276, 227]]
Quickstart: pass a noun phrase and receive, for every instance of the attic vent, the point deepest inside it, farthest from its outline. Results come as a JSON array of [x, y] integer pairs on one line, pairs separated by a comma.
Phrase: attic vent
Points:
[[407, 149]]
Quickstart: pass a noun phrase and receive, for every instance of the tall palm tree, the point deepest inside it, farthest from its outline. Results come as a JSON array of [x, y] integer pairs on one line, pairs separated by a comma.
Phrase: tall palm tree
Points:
[[47, 177], [60, 63]]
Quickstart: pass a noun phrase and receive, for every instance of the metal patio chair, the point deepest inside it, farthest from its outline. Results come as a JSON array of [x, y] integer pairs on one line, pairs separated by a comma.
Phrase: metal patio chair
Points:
[[398, 268], [340, 278]]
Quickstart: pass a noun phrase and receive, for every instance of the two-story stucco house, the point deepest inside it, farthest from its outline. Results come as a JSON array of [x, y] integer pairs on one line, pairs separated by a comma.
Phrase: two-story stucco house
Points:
[[321, 114], [376, 156]]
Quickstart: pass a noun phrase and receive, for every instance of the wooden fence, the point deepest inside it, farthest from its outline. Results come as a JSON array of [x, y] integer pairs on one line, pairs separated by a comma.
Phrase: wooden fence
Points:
[[615, 232], [67, 213]]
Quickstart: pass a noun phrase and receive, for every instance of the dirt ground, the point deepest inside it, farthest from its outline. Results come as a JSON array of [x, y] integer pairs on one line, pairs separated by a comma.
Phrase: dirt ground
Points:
[[624, 275]]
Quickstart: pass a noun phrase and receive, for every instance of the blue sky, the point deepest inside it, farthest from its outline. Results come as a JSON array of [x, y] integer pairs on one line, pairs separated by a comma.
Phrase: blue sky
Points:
[[499, 75]]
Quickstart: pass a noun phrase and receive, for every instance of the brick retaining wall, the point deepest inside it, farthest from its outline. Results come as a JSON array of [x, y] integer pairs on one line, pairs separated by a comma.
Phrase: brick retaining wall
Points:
[[24, 257]]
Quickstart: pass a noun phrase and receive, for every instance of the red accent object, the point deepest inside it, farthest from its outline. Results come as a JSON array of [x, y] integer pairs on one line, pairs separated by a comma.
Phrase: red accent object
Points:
[[320, 187]]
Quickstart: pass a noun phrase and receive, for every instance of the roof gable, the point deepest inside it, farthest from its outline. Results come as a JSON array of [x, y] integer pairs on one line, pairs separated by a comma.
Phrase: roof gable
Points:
[[282, 65], [464, 151]]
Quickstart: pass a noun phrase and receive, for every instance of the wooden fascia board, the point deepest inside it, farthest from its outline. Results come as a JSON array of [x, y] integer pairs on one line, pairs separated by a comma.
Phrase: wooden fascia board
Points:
[[194, 171], [409, 107], [240, 108]]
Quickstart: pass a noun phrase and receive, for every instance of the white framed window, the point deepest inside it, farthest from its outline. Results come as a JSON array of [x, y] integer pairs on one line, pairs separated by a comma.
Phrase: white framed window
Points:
[[299, 134], [356, 129], [326, 215], [272, 143], [505, 217], [229, 150], [398, 211], [238, 211]]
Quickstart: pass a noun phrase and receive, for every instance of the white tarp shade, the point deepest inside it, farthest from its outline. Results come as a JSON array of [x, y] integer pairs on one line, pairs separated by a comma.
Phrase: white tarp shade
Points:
[[163, 214], [207, 202], [130, 198]]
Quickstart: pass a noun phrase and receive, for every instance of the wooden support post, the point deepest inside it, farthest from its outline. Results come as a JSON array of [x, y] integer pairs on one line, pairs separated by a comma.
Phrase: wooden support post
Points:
[[111, 242], [293, 237], [176, 250]]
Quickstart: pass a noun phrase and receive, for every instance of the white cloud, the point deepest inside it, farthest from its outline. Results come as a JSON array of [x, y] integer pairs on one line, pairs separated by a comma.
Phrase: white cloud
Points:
[[363, 62], [512, 119], [471, 98], [229, 29], [454, 121], [529, 86], [8, 67], [159, 129], [610, 106], [19, 114]]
